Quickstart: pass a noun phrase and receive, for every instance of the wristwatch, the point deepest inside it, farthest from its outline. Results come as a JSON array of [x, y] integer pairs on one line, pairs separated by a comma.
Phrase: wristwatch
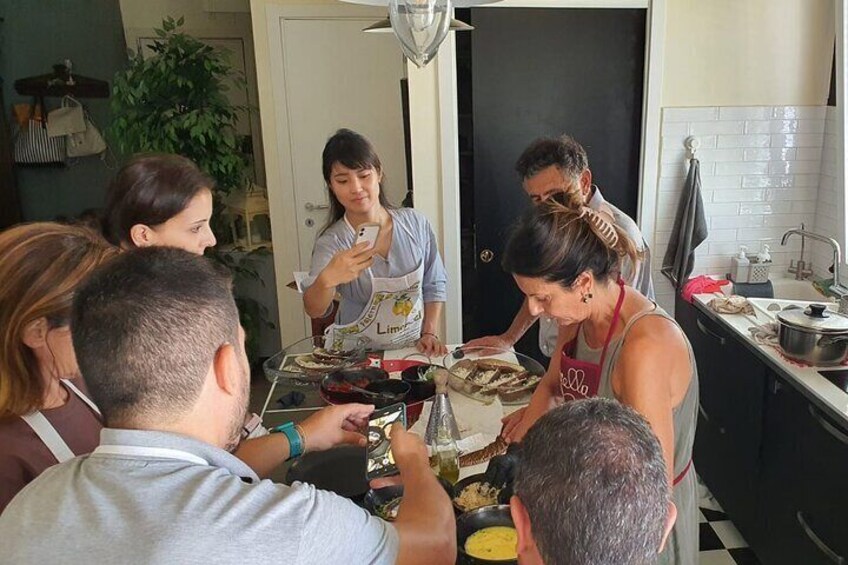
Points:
[[295, 439]]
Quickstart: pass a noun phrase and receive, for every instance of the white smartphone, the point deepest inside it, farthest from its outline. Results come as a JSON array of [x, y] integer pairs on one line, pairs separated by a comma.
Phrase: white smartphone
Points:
[[367, 232]]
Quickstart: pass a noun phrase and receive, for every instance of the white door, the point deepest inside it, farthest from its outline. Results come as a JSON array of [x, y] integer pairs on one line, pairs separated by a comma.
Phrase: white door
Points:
[[337, 76], [326, 74]]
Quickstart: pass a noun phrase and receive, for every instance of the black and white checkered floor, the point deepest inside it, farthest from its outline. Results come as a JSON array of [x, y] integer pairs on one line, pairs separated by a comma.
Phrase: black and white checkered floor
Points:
[[721, 543]]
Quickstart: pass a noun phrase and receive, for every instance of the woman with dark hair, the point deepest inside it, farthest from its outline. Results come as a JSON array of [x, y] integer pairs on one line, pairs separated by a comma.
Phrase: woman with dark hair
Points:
[[392, 294], [45, 415], [160, 199], [566, 258]]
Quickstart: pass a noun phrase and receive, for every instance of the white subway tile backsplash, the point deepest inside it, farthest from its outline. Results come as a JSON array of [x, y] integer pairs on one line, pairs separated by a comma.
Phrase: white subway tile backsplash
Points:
[[799, 113], [760, 233], [766, 208], [672, 184], [762, 170], [785, 126], [762, 181], [783, 220], [720, 183], [753, 140], [779, 154], [797, 140], [807, 181], [673, 155], [725, 248], [725, 222], [675, 128], [722, 235], [742, 168], [712, 128], [805, 206], [721, 209], [745, 113], [792, 194], [740, 195], [715, 155], [794, 167], [689, 114], [672, 170]]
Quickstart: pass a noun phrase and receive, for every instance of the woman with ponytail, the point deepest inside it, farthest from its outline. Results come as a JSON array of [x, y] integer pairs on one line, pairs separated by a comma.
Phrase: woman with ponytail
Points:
[[566, 259]]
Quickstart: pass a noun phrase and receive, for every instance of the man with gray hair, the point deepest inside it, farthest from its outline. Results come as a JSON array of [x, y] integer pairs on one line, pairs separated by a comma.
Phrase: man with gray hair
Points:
[[591, 488], [157, 337], [560, 164]]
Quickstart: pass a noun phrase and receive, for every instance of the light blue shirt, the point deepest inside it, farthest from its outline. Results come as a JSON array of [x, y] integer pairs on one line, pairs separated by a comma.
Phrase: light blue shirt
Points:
[[110, 508], [413, 241]]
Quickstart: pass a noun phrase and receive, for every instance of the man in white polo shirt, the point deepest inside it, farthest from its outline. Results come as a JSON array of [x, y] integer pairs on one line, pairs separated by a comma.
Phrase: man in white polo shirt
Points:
[[157, 337], [560, 164]]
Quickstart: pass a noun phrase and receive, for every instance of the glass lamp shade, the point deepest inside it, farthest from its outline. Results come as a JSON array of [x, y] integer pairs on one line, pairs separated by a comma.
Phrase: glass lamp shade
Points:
[[420, 26]]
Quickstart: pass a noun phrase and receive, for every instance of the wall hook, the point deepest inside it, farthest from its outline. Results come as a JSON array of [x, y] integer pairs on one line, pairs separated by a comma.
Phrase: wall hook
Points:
[[692, 144]]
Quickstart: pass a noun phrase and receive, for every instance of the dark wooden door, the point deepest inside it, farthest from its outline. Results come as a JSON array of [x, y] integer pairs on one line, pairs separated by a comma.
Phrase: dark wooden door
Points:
[[540, 72]]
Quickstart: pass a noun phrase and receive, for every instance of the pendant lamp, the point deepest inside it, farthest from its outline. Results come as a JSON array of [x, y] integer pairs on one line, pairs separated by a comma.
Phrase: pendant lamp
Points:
[[421, 25]]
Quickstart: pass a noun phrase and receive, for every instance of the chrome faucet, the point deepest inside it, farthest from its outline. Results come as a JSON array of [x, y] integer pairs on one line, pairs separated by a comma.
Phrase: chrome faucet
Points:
[[799, 268], [836, 288]]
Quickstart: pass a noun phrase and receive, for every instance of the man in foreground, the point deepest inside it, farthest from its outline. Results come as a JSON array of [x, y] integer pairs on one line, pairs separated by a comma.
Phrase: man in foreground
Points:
[[590, 487], [158, 340]]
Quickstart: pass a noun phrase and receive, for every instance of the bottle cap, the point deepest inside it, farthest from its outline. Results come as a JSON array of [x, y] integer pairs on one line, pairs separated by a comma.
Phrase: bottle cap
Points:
[[440, 377]]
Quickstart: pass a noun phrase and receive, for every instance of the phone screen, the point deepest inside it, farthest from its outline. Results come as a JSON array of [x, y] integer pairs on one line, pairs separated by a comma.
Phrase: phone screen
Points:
[[381, 462]]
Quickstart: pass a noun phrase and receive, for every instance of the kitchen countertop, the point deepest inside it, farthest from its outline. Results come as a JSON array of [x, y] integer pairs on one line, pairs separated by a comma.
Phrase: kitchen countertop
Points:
[[824, 394]]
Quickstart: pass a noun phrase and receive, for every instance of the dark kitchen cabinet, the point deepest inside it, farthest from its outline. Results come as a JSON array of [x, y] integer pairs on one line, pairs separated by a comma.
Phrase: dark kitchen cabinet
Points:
[[732, 385], [804, 507]]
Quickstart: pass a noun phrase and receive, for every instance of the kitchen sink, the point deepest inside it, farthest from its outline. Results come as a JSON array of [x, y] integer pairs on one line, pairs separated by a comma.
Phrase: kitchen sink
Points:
[[790, 289], [838, 377]]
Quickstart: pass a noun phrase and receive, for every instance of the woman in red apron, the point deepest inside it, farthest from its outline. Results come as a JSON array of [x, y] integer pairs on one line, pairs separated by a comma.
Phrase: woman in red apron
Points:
[[613, 342]]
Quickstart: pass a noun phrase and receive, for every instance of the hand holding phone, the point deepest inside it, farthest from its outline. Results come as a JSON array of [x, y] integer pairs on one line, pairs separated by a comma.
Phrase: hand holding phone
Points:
[[380, 460], [367, 232]]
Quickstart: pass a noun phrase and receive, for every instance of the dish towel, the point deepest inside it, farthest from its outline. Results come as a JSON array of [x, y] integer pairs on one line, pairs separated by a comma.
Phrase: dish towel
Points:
[[689, 231], [765, 334], [731, 305], [702, 285]]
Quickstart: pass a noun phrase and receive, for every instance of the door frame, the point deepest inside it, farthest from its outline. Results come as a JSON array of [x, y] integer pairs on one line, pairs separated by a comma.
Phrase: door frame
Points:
[[447, 207], [276, 135]]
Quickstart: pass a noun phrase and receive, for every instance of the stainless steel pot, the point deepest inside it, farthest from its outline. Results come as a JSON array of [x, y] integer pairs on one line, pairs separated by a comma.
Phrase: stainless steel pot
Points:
[[815, 336]]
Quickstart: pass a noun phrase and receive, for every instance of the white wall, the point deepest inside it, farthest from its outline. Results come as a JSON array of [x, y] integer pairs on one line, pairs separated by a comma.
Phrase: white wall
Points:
[[748, 52]]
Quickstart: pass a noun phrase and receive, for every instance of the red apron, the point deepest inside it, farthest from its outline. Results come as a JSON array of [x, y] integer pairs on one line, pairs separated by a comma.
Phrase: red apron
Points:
[[582, 379]]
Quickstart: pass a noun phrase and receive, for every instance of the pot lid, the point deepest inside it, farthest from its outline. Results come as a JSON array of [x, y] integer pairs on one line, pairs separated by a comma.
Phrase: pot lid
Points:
[[815, 318]]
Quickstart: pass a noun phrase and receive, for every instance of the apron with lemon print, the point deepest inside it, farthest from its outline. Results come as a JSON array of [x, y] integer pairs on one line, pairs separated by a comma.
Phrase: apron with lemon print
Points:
[[392, 317]]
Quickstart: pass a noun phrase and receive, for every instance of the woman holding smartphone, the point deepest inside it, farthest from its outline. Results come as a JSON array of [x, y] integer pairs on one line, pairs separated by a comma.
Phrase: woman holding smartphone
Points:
[[392, 287]]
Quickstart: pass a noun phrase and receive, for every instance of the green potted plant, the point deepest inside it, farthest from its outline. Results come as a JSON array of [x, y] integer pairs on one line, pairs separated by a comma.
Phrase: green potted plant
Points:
[[174, 101]]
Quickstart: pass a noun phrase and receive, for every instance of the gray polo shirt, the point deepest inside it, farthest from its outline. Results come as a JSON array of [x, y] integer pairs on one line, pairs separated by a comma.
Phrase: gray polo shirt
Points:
[[132, 508]]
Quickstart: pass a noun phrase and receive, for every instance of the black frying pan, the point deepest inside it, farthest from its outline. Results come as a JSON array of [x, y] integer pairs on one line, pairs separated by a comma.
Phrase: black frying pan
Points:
[[475, 520], [340, 470]]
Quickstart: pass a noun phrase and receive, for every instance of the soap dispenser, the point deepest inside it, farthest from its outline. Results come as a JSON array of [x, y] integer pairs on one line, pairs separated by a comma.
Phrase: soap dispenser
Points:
[[740, 266]]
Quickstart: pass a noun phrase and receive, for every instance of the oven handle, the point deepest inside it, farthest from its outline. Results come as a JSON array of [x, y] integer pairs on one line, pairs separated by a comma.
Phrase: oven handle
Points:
[[817, 541], [828, 427], [706, 331]]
